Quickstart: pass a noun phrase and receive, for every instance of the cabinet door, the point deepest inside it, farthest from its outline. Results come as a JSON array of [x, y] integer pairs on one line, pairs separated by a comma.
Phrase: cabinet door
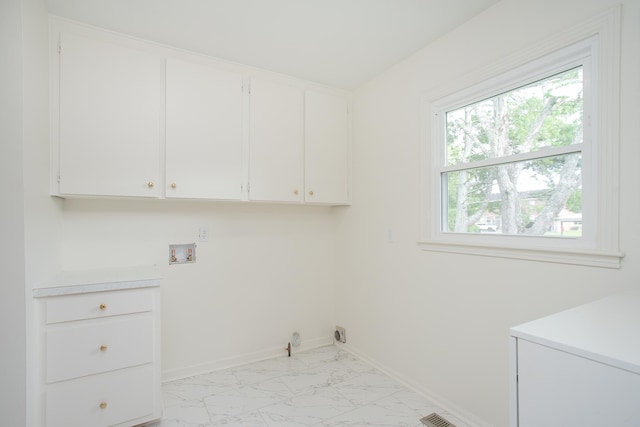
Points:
[[204, 132], [109, 124], [556, 388], [275, 142], [326, 148]]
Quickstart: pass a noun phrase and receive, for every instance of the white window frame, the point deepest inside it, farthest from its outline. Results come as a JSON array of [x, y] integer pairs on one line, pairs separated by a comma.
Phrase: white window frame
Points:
[[596, 46]]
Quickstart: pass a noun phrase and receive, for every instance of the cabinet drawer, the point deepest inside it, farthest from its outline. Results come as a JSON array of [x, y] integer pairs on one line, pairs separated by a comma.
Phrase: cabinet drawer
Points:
[[96, 305], [126, 395], [93, 347]]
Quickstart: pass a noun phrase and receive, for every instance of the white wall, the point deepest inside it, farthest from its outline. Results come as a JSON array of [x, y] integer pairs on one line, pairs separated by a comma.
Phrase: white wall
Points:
[[12, 276], [28, 220], [439, 320], [266, 272], [42, 213]]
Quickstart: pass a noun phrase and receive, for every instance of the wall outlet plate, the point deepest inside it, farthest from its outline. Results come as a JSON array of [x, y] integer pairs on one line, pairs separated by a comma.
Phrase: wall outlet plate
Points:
[[182, 254], [340, 334], [203, 234]]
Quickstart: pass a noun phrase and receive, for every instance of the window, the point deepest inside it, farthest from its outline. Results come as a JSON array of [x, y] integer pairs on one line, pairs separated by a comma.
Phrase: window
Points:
[[523, 163], [513, 162]]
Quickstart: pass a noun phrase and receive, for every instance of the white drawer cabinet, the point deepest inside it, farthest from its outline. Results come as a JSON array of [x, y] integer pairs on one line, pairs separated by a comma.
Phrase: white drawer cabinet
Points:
[[580, 367], [99, 340]]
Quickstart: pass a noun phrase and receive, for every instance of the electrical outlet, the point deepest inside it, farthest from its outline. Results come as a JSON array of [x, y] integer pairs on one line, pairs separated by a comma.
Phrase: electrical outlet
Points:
[[340, 334], [203, 234]]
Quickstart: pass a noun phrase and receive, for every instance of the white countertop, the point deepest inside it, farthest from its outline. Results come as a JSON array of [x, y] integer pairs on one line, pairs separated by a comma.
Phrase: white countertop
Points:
[[606, 330], [108, 279]]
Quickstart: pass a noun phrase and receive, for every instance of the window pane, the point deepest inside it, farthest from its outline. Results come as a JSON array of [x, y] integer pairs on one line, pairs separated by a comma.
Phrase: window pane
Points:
[[541, 197], [547, 113]]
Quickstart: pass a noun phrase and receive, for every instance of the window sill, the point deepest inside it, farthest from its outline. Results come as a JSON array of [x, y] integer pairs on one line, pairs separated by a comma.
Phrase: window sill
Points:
[[590, 258]]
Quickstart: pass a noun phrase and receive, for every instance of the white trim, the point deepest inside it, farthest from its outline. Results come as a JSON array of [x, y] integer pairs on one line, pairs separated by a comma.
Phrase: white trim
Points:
[[448, 406], [598, 38], [521, 75], [243, 359], [520, 157], [549, 254], [513, 382]]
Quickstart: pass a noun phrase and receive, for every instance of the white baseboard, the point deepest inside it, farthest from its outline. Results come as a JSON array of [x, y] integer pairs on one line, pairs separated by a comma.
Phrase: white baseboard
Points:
[[440, 401], [243, 359]]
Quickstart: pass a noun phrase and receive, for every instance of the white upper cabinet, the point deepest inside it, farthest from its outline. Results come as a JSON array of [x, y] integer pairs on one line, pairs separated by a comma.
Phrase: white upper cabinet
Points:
[[203, 131], [109, 124], [136, 119], [327, 168], [275, 142]]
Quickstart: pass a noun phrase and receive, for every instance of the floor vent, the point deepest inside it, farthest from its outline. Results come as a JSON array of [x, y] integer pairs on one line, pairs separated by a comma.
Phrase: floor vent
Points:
[[435, 420]]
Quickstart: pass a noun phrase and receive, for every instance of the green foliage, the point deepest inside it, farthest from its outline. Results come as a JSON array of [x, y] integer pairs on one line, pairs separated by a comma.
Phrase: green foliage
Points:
[[574, 203]]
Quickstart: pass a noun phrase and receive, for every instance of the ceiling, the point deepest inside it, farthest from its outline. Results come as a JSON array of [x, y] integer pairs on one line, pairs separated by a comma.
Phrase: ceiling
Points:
[[340, 43]]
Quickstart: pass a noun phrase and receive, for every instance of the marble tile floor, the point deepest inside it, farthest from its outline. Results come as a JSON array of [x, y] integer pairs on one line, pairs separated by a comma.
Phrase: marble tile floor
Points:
[[324, 387]]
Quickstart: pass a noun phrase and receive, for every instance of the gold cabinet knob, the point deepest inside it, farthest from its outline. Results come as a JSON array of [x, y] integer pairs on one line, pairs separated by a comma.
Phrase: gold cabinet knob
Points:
[[103, 348], [150, 184], [173, 185], [295, 192], [103, 306], [311, 193], [103, 405]]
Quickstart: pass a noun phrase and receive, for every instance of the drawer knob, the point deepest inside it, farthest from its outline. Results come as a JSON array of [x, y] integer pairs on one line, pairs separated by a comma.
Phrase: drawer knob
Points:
[[103, 306], [103, 405], [173, 185], [150, 184], [103, 348], [295, 192], [311, 193]]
